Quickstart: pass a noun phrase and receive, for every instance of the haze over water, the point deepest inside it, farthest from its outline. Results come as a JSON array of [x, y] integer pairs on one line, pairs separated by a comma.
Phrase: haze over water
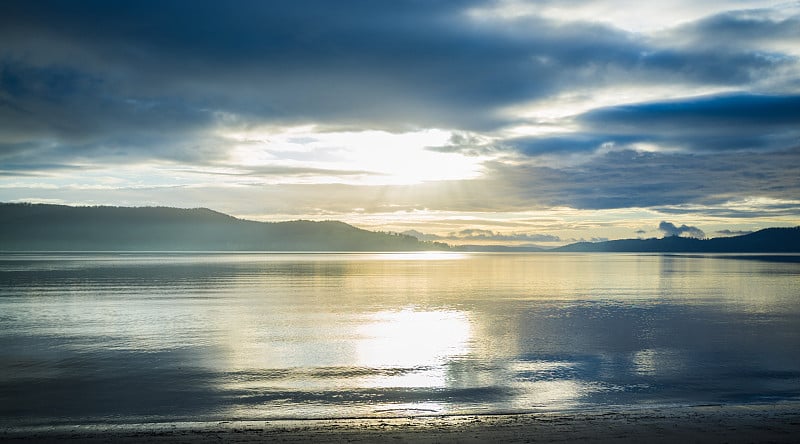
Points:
[[164, 337]]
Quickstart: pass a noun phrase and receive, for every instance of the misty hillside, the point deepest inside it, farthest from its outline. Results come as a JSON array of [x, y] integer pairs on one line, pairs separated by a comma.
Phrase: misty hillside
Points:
[[40, 227], [769, 240]]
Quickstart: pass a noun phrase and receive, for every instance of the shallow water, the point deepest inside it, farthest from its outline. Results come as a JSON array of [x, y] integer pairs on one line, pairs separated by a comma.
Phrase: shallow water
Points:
[[167, 337]]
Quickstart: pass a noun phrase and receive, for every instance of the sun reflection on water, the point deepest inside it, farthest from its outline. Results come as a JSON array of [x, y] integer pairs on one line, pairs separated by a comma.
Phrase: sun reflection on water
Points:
[[419, 342]]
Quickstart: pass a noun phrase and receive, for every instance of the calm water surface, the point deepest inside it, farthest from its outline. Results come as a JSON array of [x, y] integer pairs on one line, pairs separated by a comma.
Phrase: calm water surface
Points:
[[152, 337]]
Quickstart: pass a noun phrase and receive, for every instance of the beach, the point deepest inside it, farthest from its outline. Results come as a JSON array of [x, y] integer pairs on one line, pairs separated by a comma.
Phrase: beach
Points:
[[730, 423]]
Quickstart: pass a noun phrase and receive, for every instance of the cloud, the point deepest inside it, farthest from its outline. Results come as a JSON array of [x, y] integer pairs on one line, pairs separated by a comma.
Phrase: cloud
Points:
[[282, 171], [565, 144], [468, 144], [727, 232], [167, 86], [728, 121], [478, 234], [751, 28], [671, 183], [737, 208], [642, 17], [409, 62], [423, 236], [65, 115], [633, 179], [402, 64], [473, 234], [712, 124], [669, 229]]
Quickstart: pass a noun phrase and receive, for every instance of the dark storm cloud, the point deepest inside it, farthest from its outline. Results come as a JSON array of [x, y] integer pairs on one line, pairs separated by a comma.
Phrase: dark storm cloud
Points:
[[709, 114], [748, 28], [353, 61], [714, 67], [744, 211], [731, 122], [567, 144], [670, 229], [54, 113], [710, 123], [75, 105], [627, 178], [391, 64]]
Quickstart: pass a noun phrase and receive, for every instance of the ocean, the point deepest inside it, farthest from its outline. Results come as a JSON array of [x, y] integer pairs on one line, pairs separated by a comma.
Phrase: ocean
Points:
[[152, 337]]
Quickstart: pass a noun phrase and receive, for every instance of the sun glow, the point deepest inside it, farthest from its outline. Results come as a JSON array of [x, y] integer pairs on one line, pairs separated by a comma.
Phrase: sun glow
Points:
[[358, 157]]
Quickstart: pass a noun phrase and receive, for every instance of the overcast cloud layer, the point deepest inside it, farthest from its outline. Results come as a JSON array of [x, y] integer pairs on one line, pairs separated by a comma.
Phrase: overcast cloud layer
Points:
[[408, 113]]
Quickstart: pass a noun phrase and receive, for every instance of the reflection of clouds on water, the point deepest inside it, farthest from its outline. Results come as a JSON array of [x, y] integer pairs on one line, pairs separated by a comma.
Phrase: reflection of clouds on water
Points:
[[322, 335]]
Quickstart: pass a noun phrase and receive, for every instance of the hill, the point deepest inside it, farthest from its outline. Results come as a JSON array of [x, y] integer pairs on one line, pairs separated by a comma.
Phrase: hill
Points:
[[769, 240], [41, 227]]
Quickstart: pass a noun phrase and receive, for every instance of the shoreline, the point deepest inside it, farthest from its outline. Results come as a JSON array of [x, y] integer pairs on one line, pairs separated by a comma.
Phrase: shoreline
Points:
[[738, 423]]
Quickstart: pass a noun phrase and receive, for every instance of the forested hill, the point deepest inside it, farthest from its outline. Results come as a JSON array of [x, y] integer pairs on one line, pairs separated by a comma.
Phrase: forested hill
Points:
[[40, 227], [769, 240]]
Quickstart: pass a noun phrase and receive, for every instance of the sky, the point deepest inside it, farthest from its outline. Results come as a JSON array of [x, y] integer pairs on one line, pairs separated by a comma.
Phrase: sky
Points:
[[468, 122]]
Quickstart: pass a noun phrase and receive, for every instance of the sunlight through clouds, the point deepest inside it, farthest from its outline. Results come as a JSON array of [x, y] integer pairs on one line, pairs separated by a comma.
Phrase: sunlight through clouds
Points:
[[384, 158], [640, 17], [408, 116]]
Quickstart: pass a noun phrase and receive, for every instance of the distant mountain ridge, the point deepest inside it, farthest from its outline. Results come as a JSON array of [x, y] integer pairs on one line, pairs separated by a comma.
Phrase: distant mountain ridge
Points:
[[768, 240], [44, 227]]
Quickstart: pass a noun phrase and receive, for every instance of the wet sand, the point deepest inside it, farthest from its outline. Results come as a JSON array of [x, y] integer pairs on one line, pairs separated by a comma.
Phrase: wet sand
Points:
[[732, 424]]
